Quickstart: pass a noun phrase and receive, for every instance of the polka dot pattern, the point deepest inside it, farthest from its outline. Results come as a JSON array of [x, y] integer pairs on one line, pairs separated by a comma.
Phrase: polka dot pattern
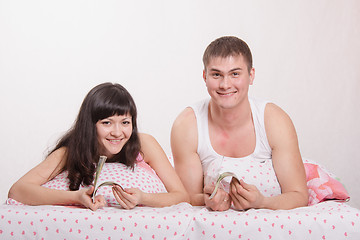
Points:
[[253, 171], [142, 177], [327, 220]]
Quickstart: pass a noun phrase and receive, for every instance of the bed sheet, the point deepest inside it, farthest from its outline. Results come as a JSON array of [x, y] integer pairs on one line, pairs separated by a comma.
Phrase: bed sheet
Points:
[[326, 220]]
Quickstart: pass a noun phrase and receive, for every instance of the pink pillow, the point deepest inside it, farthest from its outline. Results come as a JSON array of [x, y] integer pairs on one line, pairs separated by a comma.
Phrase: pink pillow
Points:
[[322, 185], [143, 177]]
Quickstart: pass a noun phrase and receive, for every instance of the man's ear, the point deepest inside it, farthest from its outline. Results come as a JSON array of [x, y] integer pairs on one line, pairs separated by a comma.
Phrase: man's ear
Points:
[[252, 76], [204, 75]]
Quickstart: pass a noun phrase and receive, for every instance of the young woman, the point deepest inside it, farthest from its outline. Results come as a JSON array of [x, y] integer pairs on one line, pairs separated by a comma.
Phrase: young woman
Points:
[[106, 125]]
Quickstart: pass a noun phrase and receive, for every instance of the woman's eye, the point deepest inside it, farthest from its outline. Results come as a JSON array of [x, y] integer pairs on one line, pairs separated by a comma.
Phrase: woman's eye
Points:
[[105, 122], [126, 122]]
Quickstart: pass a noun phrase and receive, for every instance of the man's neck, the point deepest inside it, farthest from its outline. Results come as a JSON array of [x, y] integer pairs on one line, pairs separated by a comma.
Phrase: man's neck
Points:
[[229, 119]]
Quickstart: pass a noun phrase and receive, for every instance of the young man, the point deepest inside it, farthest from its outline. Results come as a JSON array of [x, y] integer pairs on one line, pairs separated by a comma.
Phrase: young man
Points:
[[230, 131]]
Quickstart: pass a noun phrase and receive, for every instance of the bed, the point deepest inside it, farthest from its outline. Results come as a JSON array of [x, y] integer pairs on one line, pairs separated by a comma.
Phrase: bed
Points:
[[328, 215]]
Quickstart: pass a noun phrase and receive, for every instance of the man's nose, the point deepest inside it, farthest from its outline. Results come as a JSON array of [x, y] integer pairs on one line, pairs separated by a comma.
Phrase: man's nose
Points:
[[225, 82]]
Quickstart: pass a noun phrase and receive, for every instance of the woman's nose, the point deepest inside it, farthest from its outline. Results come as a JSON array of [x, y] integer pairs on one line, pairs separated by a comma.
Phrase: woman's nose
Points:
[[116, 130]]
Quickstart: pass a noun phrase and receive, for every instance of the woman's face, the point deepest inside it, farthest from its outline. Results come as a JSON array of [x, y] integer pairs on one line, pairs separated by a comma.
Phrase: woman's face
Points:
[[113, 133]]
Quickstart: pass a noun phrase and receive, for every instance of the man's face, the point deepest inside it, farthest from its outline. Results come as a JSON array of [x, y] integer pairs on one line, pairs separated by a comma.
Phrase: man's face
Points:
[[227, 80]]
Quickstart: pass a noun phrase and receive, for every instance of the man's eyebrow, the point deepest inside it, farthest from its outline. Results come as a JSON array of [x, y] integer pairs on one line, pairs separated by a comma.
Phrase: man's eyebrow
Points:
[[236, 69], [231, 70]]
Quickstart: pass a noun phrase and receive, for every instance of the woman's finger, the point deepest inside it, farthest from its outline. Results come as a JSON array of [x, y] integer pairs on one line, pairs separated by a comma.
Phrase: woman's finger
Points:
[[119, 198], [90, 190], [100, 200], [127, 195]]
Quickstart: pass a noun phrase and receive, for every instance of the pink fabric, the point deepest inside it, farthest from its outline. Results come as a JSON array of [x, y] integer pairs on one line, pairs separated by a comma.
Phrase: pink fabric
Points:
[[322, 186]]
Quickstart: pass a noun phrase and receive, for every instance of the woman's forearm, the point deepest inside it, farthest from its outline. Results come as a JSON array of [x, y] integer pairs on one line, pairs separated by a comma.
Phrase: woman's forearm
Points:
[[31, 194], [163, 199]]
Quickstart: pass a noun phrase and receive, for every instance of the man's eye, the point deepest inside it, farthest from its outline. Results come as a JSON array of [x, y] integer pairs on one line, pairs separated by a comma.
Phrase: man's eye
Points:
[[236, 74], [216, 75]]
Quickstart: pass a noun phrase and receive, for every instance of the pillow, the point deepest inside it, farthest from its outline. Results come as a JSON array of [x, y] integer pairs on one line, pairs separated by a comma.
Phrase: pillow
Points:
[[143, 177], [323, 185]]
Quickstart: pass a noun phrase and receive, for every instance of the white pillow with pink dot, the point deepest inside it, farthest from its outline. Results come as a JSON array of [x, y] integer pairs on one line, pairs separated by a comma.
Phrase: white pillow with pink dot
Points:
[[142, 177]]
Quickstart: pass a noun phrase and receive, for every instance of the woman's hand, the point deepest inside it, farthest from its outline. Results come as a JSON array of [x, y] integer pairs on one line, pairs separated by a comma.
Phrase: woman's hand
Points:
[[220, 202], [84, 196], [245, 196], [127, 198]]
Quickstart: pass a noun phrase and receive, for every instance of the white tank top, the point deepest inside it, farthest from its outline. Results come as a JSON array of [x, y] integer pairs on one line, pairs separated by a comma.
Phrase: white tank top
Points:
[[256, 168]]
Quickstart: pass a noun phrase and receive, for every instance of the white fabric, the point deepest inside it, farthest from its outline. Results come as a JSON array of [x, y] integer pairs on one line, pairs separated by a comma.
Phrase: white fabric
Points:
[[327, 220], [142, 177], [256, 168]]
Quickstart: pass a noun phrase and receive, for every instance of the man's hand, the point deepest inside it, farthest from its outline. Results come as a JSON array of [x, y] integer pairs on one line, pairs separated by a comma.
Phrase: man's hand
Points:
[[245, 196], [220, 202]]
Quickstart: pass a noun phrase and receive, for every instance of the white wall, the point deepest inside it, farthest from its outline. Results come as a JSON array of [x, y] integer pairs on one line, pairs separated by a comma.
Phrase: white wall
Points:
[[306, 56]]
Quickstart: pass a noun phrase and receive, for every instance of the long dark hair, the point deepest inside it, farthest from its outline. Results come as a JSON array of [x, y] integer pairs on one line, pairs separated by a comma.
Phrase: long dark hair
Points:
[[82, 148]]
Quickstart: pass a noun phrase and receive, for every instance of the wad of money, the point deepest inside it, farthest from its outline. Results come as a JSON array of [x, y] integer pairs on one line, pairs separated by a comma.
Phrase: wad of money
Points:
[[97, 185], [219, 179]]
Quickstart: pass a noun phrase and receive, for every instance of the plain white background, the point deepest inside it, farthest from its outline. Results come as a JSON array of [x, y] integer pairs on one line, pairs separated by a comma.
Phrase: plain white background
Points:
[[306, 56]]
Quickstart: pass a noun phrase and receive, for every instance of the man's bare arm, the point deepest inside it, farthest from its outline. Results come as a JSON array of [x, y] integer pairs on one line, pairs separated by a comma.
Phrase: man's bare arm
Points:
[[287, 161], [186, 160]]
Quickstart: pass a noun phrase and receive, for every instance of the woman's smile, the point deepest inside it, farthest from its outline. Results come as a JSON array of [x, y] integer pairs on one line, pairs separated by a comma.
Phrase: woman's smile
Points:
[[113, 133]]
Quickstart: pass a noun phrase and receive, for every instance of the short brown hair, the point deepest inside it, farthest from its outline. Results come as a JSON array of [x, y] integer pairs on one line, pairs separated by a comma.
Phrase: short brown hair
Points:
[[225, 47]]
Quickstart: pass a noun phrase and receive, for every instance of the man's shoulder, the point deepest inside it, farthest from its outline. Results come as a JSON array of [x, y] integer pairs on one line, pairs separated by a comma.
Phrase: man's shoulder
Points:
[[277, 121], [184, 131], [185, 118], [273, 110]]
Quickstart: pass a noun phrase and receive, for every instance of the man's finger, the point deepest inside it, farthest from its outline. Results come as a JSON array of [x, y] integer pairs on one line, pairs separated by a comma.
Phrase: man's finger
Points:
[[209, 189]]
